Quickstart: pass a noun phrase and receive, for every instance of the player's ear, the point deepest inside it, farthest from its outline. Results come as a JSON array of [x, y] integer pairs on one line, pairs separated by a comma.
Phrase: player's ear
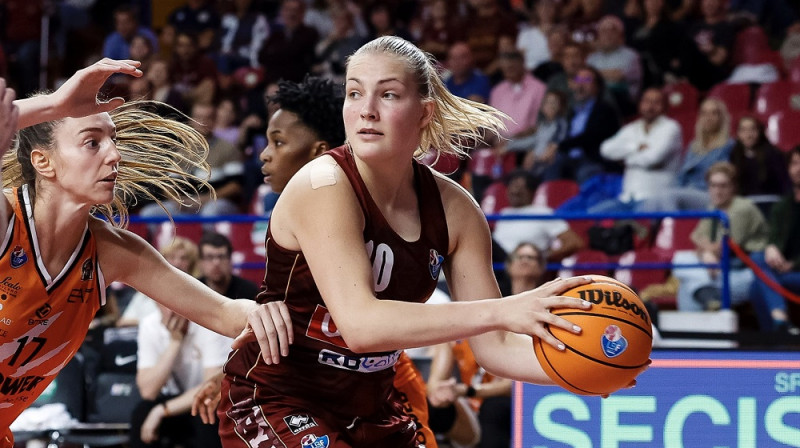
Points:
[[42, 163], [318, 148]]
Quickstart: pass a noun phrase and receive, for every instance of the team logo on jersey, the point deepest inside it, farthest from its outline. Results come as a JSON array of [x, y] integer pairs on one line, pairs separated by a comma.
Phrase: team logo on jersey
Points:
[[18, 257], [363, 364], [9, 288], [299, 423], [613, 341], [87, 270], [312, 441], [43, 311], [322, 328], [435, 264]]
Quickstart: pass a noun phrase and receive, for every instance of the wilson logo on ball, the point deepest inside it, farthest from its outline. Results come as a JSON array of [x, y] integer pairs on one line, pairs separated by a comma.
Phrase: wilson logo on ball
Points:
[[615, 299]]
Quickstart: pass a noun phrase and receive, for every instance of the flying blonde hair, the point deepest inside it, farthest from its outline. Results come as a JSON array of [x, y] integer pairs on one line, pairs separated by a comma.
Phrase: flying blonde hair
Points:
[[159, 158], [455, 120]]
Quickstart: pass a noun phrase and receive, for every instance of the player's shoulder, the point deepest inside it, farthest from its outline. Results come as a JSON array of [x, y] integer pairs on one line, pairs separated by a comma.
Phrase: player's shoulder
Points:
[[453, 194]]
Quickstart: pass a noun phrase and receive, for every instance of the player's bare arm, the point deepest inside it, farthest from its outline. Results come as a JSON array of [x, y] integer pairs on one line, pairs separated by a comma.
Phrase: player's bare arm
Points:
[[470, 277], [320, 223], [126, 257]]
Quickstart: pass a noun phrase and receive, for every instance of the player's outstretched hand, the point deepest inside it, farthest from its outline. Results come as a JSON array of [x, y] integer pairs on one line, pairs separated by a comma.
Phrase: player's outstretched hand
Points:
[[529, 311], [77, 97], [270, 325], [207, 398], [9, 113]]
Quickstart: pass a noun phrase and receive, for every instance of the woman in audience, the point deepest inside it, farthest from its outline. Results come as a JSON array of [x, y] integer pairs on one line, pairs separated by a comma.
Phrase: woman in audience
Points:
[[760, 165], [711, 144]]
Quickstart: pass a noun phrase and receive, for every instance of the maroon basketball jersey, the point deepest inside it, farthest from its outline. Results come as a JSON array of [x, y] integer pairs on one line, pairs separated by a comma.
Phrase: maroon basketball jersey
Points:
[[320, 369]]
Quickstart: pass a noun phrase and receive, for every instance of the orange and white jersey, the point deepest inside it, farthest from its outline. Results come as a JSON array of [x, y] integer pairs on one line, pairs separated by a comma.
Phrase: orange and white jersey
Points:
[[44, 316]]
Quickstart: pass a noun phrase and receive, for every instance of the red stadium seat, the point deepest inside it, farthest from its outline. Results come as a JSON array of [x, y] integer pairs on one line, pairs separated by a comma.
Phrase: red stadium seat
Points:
[[776, 97], [681, 97], [735, 96], [483, 161], [584, 256], [673, 234], [638, 279], [494, 198], [783, 130], [687, 121], [750, 46], [553, 193]]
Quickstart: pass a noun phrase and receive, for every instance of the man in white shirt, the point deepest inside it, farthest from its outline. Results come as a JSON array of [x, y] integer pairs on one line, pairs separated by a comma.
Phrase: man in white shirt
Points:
[[551, 236], [174, 357], [650, 148]]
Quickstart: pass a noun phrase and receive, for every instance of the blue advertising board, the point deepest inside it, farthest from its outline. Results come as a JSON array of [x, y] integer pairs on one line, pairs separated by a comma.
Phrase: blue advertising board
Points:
[[691, 399]]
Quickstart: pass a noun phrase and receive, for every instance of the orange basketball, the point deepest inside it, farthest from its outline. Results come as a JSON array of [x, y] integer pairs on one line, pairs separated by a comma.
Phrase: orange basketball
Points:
[[615, 341]]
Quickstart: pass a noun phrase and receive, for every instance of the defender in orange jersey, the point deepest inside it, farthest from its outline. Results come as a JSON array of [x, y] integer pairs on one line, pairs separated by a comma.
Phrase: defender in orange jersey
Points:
[[73, 161]]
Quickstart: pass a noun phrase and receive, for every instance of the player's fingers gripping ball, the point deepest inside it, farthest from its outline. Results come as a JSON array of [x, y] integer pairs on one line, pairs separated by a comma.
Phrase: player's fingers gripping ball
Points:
[[614, 345]]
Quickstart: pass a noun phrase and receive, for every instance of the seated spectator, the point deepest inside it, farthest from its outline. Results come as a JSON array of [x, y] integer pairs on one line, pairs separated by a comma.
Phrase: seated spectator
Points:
[[226, 124], [519, 96], [650, 148], [319, 16], [243, 30], [712, 37], [660, 42], [181, 253], [382, 21], [466, 81], [198, 18], [710, 145], [551, 236], [440, 30], [176, 356], [142, 50], [761, 166], [557, 40], [216, 268], [780, 261], [700, 288], [572, 59], [582, 16], [332, 51], [532, 37], [551, 127], [192, 73], [288, 52], [591, 120], [526, 267], [126, 26], [226, 176], [619, 65], [486, 24], [163, 89]]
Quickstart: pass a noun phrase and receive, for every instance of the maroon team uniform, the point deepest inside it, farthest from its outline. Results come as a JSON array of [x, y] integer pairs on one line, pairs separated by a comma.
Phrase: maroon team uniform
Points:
[[322, 394]]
